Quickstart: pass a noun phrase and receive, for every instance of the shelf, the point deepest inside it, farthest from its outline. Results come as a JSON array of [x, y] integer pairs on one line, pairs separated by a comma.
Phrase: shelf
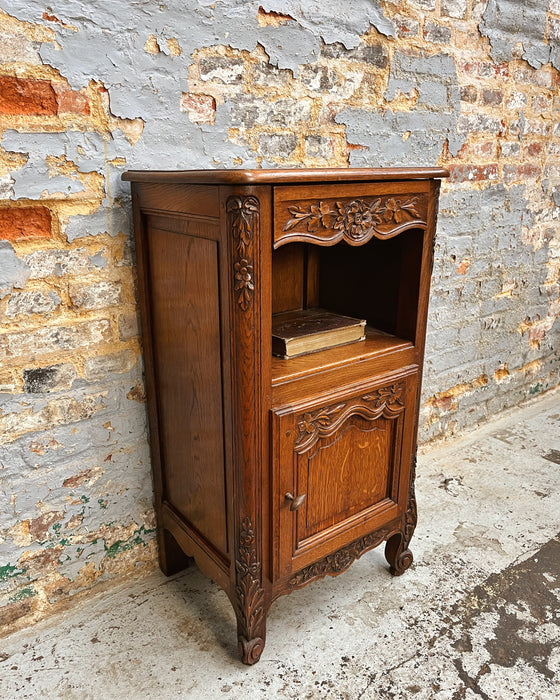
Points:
[[376, 343]]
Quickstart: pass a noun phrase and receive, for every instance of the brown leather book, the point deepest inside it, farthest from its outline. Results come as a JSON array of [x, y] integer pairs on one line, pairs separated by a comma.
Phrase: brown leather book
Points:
[[300, 332]]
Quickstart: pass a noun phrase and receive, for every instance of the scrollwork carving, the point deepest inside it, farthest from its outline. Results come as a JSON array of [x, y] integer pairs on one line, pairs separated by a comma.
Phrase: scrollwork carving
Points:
[[312, 423], [385, 401], [411, 516], [336, 563], [243, 220], [356, 221]]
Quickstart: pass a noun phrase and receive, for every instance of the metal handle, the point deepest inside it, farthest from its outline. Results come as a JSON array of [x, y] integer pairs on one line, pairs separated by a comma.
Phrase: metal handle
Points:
[[296, 501]]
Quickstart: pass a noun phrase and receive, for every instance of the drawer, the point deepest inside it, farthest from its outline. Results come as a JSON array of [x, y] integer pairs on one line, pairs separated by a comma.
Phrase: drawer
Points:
[[327, 214], [340, 467]]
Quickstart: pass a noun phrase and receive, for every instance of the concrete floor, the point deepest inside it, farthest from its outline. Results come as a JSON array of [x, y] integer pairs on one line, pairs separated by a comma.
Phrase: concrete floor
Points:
[[478, 615]]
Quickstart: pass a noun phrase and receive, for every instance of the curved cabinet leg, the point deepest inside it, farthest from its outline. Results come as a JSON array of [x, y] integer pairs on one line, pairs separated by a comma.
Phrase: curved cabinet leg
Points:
[[249, 596], [172, 559], [397, 552], [250, 642]]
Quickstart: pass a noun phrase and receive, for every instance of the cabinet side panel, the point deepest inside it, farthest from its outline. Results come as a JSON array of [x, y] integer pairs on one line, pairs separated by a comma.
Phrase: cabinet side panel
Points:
[[186, 334]]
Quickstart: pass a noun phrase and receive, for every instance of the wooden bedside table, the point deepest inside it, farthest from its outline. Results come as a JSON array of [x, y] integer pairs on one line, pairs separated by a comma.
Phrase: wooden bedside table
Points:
[[274, 472]]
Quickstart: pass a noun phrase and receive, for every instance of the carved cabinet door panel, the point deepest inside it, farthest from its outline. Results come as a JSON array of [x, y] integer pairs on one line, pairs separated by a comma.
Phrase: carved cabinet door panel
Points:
[[341, 466]]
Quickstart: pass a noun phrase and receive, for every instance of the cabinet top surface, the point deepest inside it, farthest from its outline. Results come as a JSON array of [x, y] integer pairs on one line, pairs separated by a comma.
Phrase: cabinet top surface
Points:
[[283, 176]]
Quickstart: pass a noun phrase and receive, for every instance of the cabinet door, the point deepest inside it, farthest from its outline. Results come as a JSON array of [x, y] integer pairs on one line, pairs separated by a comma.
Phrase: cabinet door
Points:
[[349, 454]]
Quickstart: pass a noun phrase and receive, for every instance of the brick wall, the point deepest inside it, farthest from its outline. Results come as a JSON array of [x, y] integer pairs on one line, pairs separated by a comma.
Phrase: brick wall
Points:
[[88, 90]]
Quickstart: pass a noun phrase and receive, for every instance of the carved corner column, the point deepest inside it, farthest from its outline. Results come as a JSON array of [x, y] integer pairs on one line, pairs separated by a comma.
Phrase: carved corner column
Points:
[[243, 228]]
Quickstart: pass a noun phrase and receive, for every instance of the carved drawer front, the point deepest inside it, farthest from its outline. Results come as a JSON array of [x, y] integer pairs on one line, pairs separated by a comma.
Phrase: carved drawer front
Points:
[[327, 214], [341, 468]]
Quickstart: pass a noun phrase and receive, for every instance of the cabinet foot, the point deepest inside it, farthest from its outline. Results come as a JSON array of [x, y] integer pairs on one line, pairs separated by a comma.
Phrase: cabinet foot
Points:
[[172, 559], [398, 555], [250, 650]]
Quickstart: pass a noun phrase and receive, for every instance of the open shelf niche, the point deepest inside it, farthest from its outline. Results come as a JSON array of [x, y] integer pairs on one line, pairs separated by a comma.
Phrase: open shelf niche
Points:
[[378, 281]]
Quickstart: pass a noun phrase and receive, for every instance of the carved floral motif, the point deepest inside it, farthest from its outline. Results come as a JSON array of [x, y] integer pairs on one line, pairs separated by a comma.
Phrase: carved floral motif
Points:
[[339, 561], [243, 217], [243, 282], [411, 513], [356, 220], [249, 594], [390, 396], [311, 423]]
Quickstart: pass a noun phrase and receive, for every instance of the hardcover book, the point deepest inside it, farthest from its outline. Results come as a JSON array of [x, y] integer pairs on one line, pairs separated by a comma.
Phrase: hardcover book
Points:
[[310, 330]]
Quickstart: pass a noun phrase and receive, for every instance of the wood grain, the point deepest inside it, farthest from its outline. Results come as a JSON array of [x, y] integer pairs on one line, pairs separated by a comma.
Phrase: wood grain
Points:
[[377, 343], [348, 451], [344, 474], [184, 296], [198, 201]]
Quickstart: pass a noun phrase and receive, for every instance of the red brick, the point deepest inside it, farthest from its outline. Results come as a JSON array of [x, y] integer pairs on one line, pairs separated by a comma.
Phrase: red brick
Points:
[[468, 93], [22, 223], [519, 173], [201, 108], [485, 149], [406, 26], [484, 69], [541, 103], [534, 149], [25, 96], [472, 173], [471, 68], [534, 77], [69, 100], [501, 70], [492, 97]]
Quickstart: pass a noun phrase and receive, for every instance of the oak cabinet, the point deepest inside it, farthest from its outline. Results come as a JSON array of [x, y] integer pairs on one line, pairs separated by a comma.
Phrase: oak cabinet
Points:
[[273, 472]]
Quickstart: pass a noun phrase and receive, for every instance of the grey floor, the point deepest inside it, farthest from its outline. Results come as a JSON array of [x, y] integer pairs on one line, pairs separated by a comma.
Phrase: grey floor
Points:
[[478, 615]]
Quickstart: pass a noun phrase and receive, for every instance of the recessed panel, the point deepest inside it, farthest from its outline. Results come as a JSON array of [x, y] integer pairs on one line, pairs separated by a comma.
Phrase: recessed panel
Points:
[[186, 335], [345, 474]]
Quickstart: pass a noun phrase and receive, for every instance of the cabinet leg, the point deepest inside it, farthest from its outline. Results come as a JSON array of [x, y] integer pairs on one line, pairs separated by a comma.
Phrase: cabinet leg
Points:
[[397, 554], [251, 616], [249, 599], [250, 647], [172, 559]]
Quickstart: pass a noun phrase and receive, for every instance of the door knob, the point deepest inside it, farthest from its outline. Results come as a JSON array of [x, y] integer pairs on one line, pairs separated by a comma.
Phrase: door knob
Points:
[[296, 501]]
